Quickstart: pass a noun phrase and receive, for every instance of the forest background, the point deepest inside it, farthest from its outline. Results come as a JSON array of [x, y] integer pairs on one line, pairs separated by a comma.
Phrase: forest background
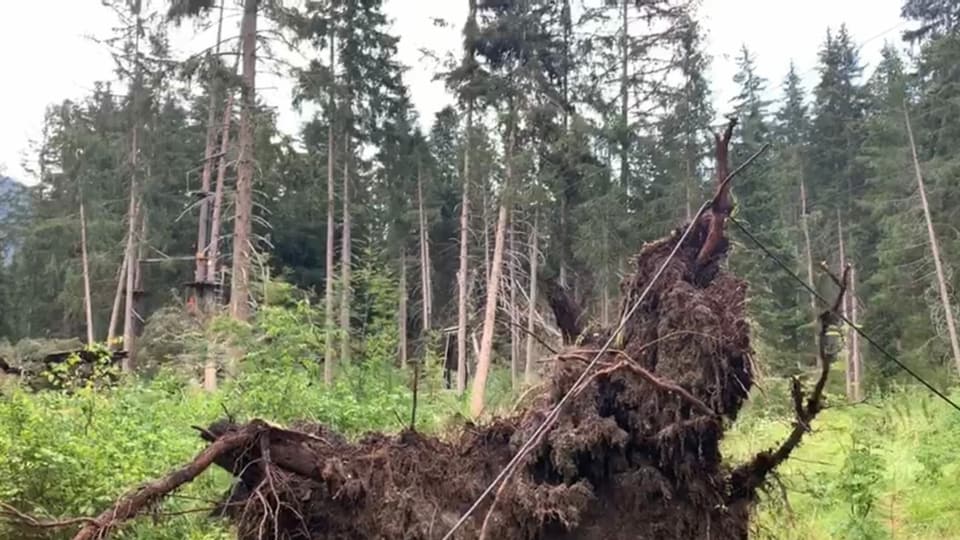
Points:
[[301, 275]]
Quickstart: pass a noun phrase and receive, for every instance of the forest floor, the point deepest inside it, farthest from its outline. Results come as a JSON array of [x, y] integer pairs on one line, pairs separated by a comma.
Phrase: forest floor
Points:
[[886, 468], [905, 488]]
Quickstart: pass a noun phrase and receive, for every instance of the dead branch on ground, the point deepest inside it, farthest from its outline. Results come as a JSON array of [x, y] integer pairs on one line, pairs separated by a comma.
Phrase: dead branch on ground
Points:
[[132, 504]]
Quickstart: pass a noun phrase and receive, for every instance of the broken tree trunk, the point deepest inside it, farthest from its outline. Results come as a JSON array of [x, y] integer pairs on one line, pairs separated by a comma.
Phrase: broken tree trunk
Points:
[[934, 247]]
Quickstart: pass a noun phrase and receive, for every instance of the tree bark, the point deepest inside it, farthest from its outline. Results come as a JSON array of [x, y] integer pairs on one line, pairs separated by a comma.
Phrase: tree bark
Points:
[[87, 303], [328, 360], [532, 307], [243, 225], [345, 256], [934, 246], [200, 272], [493, 288]]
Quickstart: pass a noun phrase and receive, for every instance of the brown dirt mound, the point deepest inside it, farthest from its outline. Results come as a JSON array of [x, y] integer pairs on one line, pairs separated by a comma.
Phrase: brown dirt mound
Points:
[[631, 456]]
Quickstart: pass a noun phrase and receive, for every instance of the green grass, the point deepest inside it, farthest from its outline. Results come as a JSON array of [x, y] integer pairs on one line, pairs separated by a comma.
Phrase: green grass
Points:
[[884, 469]]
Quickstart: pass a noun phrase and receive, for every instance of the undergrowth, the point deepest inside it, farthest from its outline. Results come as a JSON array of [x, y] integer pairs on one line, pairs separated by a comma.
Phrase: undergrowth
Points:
[[72, 452], [886, 468]]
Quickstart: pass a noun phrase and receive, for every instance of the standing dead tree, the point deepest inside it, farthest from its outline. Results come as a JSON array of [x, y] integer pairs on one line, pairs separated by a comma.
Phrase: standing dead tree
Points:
[[934, 247]]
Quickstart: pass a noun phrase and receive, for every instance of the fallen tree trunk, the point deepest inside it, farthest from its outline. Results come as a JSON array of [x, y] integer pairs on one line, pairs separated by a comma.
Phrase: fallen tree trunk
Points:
[[635, 454]]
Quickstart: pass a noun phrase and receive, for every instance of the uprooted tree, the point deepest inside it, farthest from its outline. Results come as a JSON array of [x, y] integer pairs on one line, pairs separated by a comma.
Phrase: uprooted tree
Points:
[[634, 453]]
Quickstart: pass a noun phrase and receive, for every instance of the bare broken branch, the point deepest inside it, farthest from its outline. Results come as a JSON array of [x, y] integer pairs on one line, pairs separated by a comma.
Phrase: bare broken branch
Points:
[[750, 476]]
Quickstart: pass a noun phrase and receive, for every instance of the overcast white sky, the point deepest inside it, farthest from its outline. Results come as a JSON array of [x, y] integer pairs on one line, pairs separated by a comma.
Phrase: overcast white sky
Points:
[[47, 55]]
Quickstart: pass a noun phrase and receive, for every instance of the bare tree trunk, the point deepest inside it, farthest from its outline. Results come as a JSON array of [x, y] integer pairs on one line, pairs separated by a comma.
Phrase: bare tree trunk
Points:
[[138, 298], [855, 338], [848, 371], [328, 360], [463, 273], [131, 248], [130, 256], [345, 296], [200, 272], [424, 255], [87, 303], [403, 307], [213, 249], [567, 33], [808, 251], [243, 225], [493, 288], [624, 96], [117, 298], [532, 306], [689, 194], [934, 246], [514, 314], [486, 236], [605, 308]]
